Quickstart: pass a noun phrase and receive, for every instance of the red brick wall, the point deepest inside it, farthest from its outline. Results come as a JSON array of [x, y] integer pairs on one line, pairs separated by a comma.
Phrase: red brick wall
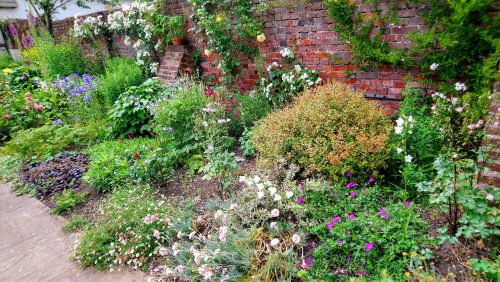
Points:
[[309, 26]]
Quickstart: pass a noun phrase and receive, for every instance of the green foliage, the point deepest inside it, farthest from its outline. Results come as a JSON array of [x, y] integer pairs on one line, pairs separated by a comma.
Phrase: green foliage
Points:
[[130, 113], [131, 229], [230, 29], [10, 167], [246, 143], [359, 234], [6, 61], [68, 200], [251, 108], [357, 31], [115, 163], [466, 205], [76, 223], [489, 268], [178, 117], [176, 26], [61, 59], [417, 137], [47, 140], [121, 73], [329, 130]]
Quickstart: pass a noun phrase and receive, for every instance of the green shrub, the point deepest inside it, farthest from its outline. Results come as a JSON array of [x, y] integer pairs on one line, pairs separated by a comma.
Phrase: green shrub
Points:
[[61, 59], [358, 233], [5, 61], [115, 163], [68, 200], [180, 116], [124, 233], [121, 73], [130, 114], [251, 108], [330, 130], [45, 141], [10, 167]]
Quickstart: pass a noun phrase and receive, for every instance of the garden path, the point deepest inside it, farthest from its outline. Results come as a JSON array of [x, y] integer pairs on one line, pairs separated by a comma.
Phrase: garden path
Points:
[[33, 247]]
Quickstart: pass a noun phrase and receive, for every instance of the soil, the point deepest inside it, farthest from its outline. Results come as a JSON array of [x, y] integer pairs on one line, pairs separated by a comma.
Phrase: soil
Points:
[[451, 259], [181, 186]]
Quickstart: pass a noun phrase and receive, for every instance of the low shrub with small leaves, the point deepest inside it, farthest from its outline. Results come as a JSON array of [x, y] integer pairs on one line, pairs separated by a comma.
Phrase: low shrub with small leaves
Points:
[[121, 73], [329, 130], [68, 200]]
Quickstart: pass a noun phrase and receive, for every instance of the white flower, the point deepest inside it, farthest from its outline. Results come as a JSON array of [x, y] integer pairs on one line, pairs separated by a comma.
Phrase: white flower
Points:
[[274, 224], [275, 242], [233, 206], [399, 150], [289, 194], [490, 197], [277, 197], [260, 186], [179, 234], [222, 233], [205, 271], [163, 251], [272, 190], [179, 269], [398, 129], [242, 178], [408, 158], [459, 109], [256, 179], [318, 81], [260, 195], [157, 234], [275, 213], [400, 122], [460, 86], [295, 239], [298, 69], [410, 119], [191, 235], [434, 66]]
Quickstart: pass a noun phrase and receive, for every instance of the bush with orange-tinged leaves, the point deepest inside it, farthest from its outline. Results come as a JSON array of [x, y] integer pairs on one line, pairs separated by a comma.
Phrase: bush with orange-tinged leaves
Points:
[[328, 130]]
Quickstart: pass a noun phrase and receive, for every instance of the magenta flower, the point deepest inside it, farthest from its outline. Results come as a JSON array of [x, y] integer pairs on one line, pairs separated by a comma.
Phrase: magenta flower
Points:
[[387, 216], [353, 194], [350, 185], [300, 200], [309, 261], [329, 225], [381, 212], [368, 246], [407, 204], [301, 186], [348, 174], [351, 216], [371, 180], [340, 242], [335, 219], [348, 259], [361, 272]]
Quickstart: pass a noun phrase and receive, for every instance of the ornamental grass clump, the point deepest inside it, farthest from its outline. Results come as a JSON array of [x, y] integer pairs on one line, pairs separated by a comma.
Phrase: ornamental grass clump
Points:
[[328, 130]]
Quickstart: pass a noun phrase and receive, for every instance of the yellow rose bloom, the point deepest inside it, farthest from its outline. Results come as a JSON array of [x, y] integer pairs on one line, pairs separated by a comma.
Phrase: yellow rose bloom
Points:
[[208, 52], [219, 19], [6, 71], [407, 274], [261, 38]]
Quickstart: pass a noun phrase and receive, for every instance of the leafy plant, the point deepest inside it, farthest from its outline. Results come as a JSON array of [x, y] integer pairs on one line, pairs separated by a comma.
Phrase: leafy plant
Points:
[[68, 200], [61, 59], [130, 114], [329, 130], [176, 26], [121, 73], [76, 223], [222, 167], [246, 143]]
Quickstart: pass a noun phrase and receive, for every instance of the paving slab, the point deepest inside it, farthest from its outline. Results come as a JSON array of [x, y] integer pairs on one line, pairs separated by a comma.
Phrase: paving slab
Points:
[[34, 248]]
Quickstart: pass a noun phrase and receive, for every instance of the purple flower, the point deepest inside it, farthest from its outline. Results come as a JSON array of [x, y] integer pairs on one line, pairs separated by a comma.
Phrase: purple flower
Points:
[[57, 122], [301, 186], [381, 211], [329, 225], [363, 263], [348, 233], [340, 242], [350, 185], [335, 219], [348, 259], [387, 216], [348, 174], [309, 261], [351, 216], [13, 30], [407, 204], [300, 200], [368, 246], [353, 194], [371, 180], [361, 272]]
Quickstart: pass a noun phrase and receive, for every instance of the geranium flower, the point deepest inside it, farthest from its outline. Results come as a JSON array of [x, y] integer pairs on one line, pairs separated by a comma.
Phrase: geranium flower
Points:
[[368, 246], [408, 158], [350, 185], [340, 242], [351, 216], [38, 107], [381, 211], [361, 272], [301, 186], [387, 216], [335, 219], [300, 200], [275, 242], [329, 225], [275, 213], [137, 155], [407, 204], [348, 259], [352, 194], [296, 239], [371, 180]]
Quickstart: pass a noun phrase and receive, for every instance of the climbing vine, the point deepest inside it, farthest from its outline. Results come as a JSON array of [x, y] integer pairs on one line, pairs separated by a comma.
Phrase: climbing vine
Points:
[[230, 30]]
